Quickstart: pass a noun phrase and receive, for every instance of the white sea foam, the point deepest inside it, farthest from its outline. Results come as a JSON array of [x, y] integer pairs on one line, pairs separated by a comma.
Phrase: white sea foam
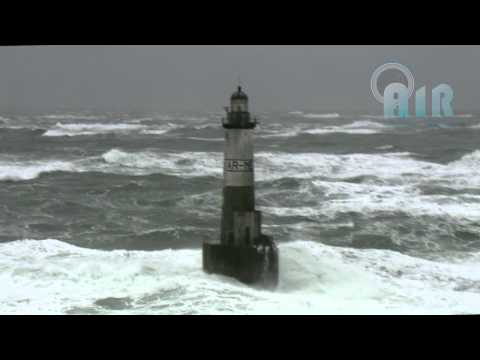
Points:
[[468, 160], [281, 133], [139, 120], [51, 277], [73, 117], [185, 164], [82, 129], [370, 199], [310, 165], [90, 129], [340, 129], [15, 171], [361, 124], [161, 129], [392, 183], [24, 127], [357, 127], [321, 116], [385, 147], [206, 139], [155, 132], [270, 165], [389, 169], [193, 118], [314, 115], [165, 117]]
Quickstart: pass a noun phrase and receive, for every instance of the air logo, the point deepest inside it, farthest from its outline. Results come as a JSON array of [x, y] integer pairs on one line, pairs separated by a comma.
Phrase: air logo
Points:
[[396, 96]]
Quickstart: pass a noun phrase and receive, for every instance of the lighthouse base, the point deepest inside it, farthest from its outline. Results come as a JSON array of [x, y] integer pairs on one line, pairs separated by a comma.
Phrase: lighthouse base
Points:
[[252, 265]]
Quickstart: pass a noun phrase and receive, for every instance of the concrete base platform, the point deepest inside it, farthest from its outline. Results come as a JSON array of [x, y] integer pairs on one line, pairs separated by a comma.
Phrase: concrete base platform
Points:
[[253, 265]]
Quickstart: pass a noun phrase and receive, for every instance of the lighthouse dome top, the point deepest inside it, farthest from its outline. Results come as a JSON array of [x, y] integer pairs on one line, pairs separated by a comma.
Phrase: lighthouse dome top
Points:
[[239, 95]]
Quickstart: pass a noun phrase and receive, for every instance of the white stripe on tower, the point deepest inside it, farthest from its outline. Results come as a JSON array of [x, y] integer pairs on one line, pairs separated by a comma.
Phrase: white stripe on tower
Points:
[[238, 160]]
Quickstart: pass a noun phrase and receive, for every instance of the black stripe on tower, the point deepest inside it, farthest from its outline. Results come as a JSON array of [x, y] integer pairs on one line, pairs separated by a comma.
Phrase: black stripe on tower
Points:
[[235, 199]]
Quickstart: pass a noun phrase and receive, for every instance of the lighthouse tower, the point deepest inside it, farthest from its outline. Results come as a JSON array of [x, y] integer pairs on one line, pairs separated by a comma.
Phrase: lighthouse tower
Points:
[[243, 251]]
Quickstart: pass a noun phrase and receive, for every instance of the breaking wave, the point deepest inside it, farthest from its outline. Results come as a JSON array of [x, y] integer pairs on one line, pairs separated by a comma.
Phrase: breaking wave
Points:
[[185, 164], [365, 183], [319, 186], [385, 147], [357, 127], [98, 129], [206, 139], [73, 117], [4, 120], [14, 171], [90, 129], [375, 183], [52, 277], [388, 168], [315, 116]]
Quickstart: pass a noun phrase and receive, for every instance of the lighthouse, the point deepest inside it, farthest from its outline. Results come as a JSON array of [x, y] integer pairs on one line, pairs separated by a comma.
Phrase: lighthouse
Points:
[[243, 251]]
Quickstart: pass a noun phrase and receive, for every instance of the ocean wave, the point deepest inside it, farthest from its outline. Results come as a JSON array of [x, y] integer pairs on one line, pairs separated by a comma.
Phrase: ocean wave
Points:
[[357, 127], [372, 184], [52, 277], [269, 165], [274, 165], [365, 124], [193, 118], [161, 129], [72, 117], [370, 200], [14, 171], [385, 147], [469, 161], [26, 127], [321, 116], [147, 128], [140, 120], [282, 133], [206, 139], [206, 126], [90, 129], [391, 168], [394, 168], [309, 165], [4, 120], [84, 129], [155, 132], [186, 164]]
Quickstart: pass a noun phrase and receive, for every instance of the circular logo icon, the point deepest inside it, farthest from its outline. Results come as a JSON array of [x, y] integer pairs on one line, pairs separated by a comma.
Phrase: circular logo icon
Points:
[[389, 66]]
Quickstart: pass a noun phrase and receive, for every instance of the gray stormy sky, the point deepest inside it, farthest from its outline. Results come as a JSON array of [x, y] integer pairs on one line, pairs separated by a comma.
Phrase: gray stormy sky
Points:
[[201, 78]]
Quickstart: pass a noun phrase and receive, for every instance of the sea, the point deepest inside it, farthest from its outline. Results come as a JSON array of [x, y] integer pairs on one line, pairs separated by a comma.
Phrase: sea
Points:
[[106, 213]]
